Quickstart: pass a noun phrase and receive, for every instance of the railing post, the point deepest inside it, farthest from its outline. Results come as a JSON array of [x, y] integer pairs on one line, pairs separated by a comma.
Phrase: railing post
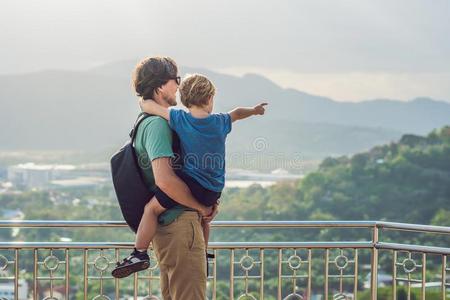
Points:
[[280, 273], [394, 275], [85, 270], [374, 265], [16, 275], [261, 287], [67, 265], [232, 274], [424, 274], [326, 274], [35, 274], [443, 275]]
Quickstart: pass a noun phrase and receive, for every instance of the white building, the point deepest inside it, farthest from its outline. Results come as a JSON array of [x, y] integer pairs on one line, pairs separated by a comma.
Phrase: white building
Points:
[[31, 175]]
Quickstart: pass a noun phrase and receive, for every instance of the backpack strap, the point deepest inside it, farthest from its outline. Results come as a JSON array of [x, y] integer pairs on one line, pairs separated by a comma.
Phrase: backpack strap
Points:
[[139, 119]]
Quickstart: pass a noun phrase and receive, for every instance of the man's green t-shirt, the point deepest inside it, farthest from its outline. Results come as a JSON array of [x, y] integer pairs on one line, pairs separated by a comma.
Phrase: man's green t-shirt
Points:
[[154, 140]]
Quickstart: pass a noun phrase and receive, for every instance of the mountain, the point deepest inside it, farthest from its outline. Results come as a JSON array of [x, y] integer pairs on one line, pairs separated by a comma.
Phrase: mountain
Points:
[[419, 116], [94, 109]]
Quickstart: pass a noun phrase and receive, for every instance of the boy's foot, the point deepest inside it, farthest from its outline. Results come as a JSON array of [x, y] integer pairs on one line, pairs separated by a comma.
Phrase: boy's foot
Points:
[[137, 261]]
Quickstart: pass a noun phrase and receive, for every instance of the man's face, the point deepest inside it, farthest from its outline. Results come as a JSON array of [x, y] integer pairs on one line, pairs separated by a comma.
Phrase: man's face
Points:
[[168, 92]]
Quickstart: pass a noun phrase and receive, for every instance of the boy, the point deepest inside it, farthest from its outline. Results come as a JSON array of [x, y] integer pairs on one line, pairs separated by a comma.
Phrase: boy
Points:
[[202, 137]]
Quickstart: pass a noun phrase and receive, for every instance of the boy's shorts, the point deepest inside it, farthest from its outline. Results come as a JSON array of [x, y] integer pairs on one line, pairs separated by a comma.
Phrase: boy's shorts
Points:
[[203, 195]]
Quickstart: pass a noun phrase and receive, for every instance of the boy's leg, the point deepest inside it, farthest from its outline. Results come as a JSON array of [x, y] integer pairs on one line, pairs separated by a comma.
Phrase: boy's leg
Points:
[[147, 227], [138, 260]]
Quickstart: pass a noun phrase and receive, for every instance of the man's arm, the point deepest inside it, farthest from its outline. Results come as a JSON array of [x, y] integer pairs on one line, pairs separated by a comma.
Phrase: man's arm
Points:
[[174, 187], [240, 113], [153, 108]]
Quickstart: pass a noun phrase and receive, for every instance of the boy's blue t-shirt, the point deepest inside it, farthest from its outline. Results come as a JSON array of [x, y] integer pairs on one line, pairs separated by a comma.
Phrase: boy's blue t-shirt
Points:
[[202, 146]]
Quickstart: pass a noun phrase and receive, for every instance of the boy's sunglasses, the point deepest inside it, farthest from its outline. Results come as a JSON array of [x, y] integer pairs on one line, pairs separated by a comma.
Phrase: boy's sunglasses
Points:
[[177, 79]]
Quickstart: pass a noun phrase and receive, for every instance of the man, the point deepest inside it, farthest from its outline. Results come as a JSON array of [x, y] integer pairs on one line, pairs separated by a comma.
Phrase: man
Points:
[[179, 246]]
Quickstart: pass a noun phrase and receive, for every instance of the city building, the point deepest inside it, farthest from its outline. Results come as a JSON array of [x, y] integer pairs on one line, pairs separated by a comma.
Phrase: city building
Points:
[[7, 290], [31, 175]]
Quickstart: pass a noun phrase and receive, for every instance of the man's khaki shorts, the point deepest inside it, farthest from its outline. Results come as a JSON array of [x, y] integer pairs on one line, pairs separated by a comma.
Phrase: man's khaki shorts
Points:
[[180, 250]]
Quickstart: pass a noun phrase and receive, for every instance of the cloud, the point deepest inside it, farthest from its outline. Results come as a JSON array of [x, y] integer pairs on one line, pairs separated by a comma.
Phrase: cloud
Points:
[[338, 40]]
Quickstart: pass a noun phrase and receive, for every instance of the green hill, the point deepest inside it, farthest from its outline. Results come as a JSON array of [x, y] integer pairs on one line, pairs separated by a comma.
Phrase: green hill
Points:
[[406, 181]]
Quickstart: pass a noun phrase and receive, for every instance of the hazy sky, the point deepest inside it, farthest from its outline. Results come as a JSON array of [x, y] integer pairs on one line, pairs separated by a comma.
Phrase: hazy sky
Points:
[[348, 50]]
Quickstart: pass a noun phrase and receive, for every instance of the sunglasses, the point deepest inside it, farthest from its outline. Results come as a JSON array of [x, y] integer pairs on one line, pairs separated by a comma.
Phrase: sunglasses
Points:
[[177, 79]]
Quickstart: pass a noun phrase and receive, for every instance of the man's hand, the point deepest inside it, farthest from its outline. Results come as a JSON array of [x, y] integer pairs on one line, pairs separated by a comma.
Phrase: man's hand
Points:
[[259, 109], [153, 108], [214, 212], [205, 211]]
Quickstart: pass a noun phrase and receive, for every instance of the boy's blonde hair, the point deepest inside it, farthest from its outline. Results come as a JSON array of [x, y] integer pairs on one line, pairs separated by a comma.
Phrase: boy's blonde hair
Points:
[[195, 90]]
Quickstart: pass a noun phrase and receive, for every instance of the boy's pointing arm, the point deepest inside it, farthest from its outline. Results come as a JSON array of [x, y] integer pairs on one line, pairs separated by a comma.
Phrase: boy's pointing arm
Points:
[[240, 113]]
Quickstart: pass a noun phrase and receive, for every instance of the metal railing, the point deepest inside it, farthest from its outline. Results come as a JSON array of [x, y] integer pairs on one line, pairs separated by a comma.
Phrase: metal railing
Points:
[[241, 270]]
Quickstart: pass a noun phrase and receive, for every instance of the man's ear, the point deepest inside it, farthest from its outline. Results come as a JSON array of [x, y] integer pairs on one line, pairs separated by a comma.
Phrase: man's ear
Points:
[[156, 92]]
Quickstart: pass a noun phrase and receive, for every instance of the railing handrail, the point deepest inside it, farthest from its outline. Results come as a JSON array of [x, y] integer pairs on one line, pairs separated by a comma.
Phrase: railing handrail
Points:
[[212, 245], [252, 224], [414, 248], [295, 224], [235, 245], [414, 227]]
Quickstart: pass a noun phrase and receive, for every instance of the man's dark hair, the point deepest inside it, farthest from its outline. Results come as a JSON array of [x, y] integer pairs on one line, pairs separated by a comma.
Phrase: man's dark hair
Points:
[[152, 73]]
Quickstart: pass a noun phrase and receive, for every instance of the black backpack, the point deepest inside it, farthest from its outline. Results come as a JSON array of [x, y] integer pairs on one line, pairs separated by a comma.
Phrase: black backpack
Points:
[[133, 193]]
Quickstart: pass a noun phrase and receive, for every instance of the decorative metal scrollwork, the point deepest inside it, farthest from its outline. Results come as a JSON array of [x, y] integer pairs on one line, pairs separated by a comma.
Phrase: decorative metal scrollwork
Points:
[[340, 296], [51, 263], [3, 263], [247, 262], [409, 265], [151, 298], [294, 262], [101, 263], [246, 297], [298, 269], [341, 261], [252, 269], [153, 260], [101, 297], [293, 296]]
